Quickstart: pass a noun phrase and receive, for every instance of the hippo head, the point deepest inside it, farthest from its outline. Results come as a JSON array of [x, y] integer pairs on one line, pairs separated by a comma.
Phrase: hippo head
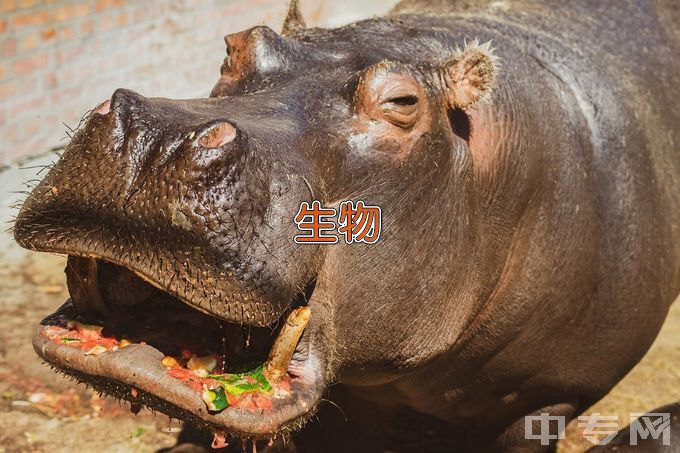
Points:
[[177, 218]]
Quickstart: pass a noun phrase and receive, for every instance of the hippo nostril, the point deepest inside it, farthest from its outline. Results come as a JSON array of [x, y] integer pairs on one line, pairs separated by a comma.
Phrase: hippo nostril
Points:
[[125, 103], [103, 108], [218, 135]]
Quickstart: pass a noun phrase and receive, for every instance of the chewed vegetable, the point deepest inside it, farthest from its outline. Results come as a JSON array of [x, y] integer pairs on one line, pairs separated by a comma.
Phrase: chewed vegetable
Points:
[[215, 399], [86, 337], [169, 362], [96, 350], [236, 384], [82, 327], [202, 365], [251, 389]]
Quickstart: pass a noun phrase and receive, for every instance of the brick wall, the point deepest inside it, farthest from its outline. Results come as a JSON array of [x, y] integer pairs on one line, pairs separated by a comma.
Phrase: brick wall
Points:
[[59, 58]]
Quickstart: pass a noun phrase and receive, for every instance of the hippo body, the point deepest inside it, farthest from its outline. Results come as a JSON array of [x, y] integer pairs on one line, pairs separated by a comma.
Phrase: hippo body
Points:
[[530, 192]]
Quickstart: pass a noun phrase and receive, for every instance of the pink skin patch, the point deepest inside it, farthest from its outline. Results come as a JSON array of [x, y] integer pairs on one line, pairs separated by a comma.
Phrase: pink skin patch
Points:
[[218, 135], [103, 108], [219, 441]]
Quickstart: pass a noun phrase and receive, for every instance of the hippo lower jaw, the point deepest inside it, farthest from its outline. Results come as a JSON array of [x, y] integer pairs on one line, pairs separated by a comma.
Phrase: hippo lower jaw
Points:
[[136, 372]]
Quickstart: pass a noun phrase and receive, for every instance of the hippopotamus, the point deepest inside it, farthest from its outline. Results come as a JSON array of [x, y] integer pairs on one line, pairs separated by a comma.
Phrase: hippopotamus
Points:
[[524, 157]]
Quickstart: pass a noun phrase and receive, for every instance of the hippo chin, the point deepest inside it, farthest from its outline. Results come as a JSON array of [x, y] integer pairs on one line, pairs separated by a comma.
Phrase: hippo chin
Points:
[[525, 159]]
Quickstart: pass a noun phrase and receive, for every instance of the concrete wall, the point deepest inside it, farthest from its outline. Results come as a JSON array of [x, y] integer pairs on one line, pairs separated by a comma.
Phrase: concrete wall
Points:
[[59, 58]]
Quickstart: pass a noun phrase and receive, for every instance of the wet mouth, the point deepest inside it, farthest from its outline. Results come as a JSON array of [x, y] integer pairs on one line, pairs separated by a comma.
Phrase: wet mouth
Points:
[[132, 340]]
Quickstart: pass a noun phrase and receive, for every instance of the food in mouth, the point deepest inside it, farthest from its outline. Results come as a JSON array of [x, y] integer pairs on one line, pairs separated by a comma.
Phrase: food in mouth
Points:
[[86, 337], [252, 388], [135, 341]]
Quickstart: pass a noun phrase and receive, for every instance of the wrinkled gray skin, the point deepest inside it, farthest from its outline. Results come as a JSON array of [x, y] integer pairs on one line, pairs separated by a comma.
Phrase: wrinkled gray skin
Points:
[[530, 246]]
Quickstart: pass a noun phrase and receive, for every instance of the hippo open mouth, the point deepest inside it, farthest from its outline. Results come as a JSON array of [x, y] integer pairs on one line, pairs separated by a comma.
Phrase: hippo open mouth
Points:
[[177, 220], [133, 340]]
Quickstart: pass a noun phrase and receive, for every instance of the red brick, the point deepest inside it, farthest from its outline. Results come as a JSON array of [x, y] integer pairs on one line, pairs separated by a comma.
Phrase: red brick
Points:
[[67, 12], [8, 47], [70, 54], [98, 66], [98, 42], [7, 6], [26, 144], [31, 106], [51, 121], [31, 127], [30, 19], [30, 64], [106, 23], [48, 34], [66, 33], [121, 59], [133, 35], [84, 64], [65, 95], [139, 14], [9, 137], [50, 81], [79, 73], [27, 84], [86, 28], [101, 5], [112, 81], [27, 3], [72, 113], [29, 42], [7, 90]]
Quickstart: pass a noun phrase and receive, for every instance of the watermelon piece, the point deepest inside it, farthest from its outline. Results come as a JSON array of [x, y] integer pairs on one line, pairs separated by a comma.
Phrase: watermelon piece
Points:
[[215, 399]]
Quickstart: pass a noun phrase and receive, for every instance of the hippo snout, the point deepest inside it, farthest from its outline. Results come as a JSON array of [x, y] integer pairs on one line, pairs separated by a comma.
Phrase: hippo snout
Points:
[[181, 193], [177, 219], [127, 126]]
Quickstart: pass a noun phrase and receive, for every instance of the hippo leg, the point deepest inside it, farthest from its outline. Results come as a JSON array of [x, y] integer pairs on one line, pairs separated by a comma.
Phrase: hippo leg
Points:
[[352, 424], [343, 423], [648, 441], [513, 439]]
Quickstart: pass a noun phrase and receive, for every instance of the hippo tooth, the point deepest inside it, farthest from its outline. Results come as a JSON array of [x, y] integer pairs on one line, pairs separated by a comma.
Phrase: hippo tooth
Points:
[[83, 285], [284, 346]]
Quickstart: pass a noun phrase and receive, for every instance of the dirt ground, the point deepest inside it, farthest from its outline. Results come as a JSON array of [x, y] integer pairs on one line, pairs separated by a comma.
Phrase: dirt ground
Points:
[[40, 411]]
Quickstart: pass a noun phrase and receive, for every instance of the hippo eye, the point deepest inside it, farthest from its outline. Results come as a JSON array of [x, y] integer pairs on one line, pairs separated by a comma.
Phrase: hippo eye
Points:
[[404, 100], [389, 93], [401, 110]]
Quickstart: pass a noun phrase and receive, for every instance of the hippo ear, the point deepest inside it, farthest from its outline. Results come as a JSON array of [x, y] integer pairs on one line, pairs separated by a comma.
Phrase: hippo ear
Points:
[[294, 20], [469, 75]]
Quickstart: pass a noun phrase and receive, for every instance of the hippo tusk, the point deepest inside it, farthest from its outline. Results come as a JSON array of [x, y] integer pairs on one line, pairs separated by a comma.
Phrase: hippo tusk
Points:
[[83, 285], [284, 346]]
